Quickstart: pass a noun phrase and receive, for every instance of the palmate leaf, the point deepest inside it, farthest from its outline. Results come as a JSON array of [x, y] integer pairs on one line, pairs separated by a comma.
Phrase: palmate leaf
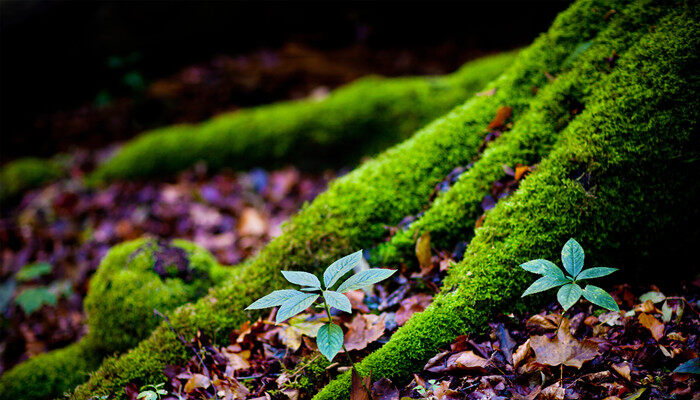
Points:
[[597, 272], [341, 267], [273, 299], [294, 305], [543, 267], [302, 278], [600, 297], [365, 278], [329, 340], [572, 257], [568, 295], [337, 300], [545, 283]]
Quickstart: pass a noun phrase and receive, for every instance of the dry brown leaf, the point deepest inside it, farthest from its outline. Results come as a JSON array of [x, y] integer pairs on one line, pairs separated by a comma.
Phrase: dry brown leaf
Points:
[[502, 114], [553, 392], [442, 391], [624, 370], [647, 307], [237, 360], [653, 325], [423, 251], [563, 348], [358, 389], [521, 353], [357, 300], [363, 330], [466, 360], [412, 305], [487, 93], [384, 389], [252, 223], [197, 381], [292, 394], [520, 171], [542, 322]]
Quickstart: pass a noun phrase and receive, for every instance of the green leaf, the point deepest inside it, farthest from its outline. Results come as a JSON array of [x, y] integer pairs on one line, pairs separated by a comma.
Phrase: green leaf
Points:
[[572, 257], [294, 305], [600, 297], [365, 278], [545, 283], [7, 290], [148, 395], [597, 272], [32, 271], [273, 299], [689, 367], [341, 267], [568, 295], [32, 299], [302, 278], [542, 267], [337, 300], [329, 340], [654, 296]]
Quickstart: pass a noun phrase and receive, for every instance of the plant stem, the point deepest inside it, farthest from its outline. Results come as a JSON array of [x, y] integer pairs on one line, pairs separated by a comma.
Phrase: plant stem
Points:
[[347, 353], [561, 319]]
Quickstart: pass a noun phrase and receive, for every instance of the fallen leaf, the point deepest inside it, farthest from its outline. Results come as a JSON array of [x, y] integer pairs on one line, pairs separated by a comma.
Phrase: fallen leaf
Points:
[[412, 305], [357, 300], [197, 381], [646, 307], [363, 330], [521, 353], [487, 93], [237, 360], [358, 389], [653, 296], [442, 391], [624, 370], [563, 348], [502, 114], [553, 392], [653, 325], [506, 343], [423, 251], [251, 223], [520, 171], [466, 360], [542, 322], [384, 389]]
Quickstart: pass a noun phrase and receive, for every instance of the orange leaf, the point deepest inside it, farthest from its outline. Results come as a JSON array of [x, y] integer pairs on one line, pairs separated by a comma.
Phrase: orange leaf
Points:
[[363, 330], [197, 381], [423, 251], [502, 114], [653, 325]]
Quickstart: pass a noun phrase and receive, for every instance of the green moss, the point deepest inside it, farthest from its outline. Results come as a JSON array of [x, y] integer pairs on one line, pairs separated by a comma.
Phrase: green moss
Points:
[[26, 173], [125, 290], [356, 120], [309, 375], [352, 213], [636, 140]]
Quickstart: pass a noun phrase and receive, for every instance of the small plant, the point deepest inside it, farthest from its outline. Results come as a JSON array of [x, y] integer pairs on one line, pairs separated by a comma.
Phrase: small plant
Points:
[[570, 292], [152, 392], [292, 302]]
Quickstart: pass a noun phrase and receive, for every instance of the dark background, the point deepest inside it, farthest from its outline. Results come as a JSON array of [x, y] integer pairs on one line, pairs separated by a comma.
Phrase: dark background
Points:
[[57, 56]]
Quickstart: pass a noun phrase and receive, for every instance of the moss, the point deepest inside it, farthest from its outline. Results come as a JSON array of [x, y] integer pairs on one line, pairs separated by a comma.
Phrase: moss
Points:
[[309, 375], [133, 279], [352, 213], [636, 140], [452, 216], [26, 173], [356, 120]]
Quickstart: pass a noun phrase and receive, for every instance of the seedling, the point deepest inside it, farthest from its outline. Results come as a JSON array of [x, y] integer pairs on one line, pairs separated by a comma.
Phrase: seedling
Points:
[[329, 338], [152, 392], [570, 291]]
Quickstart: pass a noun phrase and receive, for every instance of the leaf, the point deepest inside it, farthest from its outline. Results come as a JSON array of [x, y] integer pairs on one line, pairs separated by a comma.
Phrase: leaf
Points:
[[337, 300], [363, 330], [32, 299], [358, 386], [341, 267], [148, 395], [624, 370], [302, 278], [666, 312], [329, 340], [423, 251], [568, 295], [299, 325], [545, 283], [365, 278], [294, 305], [600, 297], [410, 306], [563, 348], [654, 296], [572, 257], [502, 114], [273, 299], [466, 361], [197, 381], [597, 272], [33, 271], [653, 325], [689, 367], [543, 267], [7, 290], [383, 389], [580, 49]]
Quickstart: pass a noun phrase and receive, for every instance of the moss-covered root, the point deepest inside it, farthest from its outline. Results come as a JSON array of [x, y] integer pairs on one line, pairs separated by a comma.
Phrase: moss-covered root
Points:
[[354, 121], [619, 184], [352, 213], [132, 280], [26, 173], [452, 216]]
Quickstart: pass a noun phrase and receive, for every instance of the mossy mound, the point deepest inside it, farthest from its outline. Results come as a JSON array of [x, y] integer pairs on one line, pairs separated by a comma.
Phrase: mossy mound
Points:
[[26, 173], [592, 164], [132, 280], [356, 120]]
